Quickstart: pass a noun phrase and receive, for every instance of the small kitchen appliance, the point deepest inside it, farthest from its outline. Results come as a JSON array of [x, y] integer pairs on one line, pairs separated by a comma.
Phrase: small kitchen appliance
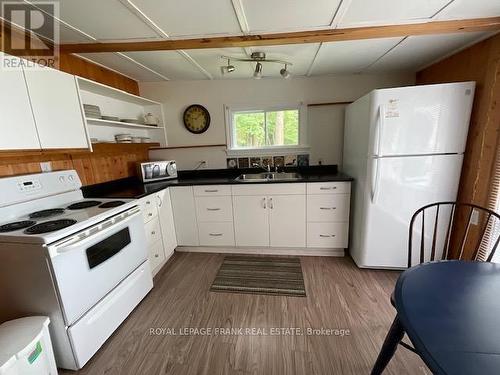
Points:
[[158, 170]]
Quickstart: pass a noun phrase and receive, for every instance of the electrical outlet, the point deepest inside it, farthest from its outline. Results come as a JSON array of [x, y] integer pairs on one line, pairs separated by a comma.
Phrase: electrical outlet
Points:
[[204, 164], [46, 166]]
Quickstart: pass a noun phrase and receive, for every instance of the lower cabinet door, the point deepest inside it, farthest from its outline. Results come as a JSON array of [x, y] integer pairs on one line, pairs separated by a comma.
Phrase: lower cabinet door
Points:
[[216, 234], [156, 255], [167, 225], [287, 218], [186, 226], [251, 220]]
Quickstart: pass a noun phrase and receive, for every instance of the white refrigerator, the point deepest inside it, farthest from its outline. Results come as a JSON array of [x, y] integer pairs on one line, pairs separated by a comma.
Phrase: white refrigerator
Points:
[[404, 148]]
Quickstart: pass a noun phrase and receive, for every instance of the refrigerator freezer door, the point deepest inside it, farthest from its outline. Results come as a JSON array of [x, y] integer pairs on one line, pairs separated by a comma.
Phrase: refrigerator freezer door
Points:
[[399, 187], [421, 120]]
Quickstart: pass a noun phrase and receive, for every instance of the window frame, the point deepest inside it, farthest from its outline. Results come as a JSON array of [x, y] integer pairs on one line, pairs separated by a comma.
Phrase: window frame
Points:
[[267, 150]]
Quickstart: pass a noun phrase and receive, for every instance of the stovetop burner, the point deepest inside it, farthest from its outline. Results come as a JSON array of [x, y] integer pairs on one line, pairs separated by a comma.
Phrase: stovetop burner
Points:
[[46, 213], [83, 204], [49, 226], [10, 227], [111, 204]]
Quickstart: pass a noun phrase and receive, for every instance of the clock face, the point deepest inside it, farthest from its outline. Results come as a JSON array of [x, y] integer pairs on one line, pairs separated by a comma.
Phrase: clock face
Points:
[[196, 119]]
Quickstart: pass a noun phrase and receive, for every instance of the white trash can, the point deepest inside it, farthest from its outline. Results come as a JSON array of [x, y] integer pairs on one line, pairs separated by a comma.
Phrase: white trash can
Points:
[[25, 347]]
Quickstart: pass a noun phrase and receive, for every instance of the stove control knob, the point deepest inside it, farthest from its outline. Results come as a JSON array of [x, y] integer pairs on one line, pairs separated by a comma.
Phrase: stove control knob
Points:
[[71, 178], [62, 179]]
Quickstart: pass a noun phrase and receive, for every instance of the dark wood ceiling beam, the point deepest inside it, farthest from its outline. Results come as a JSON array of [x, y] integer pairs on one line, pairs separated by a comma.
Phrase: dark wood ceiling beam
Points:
[[317, 36]]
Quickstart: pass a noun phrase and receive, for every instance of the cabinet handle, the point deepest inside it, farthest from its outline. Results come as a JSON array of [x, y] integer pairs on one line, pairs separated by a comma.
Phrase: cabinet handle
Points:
[[150, 214], [153, 233], [264, 203], [156, 255], [328, 188], [160, 202], [271, 204], [148, 202], [211, 191], [215, 234], [324, 235], [327, 208], [213, 209]]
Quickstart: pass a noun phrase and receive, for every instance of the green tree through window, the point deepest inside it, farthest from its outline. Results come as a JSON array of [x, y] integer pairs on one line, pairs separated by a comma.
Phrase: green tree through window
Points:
[[256, 129]]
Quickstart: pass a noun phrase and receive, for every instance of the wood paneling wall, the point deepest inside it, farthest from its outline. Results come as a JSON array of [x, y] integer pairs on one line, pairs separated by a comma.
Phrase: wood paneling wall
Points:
[[480, 63], [107, 162], [75, 65]]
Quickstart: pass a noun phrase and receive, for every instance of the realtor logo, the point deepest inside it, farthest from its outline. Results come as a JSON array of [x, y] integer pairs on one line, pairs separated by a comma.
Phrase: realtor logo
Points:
[[31, 32]]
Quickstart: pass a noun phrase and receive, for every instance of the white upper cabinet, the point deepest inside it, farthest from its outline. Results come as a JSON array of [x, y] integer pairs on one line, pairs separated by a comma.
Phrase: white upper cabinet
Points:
[[17, 126], [56, 108]]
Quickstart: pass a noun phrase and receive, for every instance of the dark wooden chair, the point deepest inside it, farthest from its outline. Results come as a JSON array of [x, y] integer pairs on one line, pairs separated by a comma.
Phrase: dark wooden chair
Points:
[[440, 231]]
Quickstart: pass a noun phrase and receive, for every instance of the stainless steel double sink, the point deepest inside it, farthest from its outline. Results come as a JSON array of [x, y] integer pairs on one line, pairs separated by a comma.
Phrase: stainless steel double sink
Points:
[[268, 177]]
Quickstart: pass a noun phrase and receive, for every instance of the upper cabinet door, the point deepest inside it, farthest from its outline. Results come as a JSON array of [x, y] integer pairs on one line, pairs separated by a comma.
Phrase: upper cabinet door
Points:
[[56, 108], [17, 127]]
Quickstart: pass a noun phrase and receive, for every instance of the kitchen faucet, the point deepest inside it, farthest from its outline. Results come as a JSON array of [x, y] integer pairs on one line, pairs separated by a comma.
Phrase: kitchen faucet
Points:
[[267, 168]]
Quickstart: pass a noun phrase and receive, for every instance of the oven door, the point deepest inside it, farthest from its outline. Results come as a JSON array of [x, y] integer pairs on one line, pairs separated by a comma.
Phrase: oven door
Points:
[[89, 264]]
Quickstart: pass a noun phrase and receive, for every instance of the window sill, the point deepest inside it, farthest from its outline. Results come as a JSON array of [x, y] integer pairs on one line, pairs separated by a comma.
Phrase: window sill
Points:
[[269, 151]]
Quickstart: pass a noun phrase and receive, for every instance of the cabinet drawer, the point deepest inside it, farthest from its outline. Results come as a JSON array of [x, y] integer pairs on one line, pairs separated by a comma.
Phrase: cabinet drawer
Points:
[[148, 207], [216, 234], [214, 208], [329, 188], [156, 254], [211, 190], [270, 189], [328, 207], [327, 235], [153, 231]]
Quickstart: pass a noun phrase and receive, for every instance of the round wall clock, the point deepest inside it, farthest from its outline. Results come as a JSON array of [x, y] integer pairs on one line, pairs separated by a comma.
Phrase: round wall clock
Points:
[[196, 119]]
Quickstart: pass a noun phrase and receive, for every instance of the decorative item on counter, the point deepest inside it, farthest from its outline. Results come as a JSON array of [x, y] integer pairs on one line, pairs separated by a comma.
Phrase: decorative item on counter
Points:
[[303, 160], [92, 111], [291, 160], [151, 120], [279, 161], [253, 161], [267, 160], [243, 163], [232, 163]]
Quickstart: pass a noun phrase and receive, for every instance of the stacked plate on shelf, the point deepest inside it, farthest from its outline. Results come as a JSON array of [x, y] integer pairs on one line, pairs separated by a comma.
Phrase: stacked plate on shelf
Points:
[[92, 111], [123, 138]]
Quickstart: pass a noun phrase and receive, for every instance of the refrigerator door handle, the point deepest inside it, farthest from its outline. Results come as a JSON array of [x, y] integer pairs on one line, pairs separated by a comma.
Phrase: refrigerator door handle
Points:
[[374, 187], [379, 129]]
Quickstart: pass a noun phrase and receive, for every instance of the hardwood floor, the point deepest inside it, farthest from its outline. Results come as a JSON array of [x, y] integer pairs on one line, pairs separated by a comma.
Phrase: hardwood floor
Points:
[[339, 296]]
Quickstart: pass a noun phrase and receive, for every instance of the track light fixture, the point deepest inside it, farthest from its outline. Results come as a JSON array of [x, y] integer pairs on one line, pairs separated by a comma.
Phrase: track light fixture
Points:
[[259, 58], [257, 74], [285, 73], [227, 68]]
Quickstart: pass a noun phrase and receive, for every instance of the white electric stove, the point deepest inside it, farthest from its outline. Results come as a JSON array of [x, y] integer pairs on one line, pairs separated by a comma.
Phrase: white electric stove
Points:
[[83, 262]]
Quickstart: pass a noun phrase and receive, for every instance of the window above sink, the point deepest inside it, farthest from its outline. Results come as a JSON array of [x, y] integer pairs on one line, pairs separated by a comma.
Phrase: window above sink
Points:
[[266, 130]]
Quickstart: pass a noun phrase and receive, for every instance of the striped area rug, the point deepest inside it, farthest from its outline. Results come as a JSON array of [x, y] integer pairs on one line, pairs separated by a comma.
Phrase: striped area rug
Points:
[[281, 276]]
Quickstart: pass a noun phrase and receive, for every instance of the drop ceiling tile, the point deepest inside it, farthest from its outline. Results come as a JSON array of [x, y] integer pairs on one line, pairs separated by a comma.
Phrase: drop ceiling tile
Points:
[[350, 56], [168, 63], [417, 51], [470, 9], [191, 17], [276, 15], [104, 20], [122, 65], [210, 60], [363, 12]]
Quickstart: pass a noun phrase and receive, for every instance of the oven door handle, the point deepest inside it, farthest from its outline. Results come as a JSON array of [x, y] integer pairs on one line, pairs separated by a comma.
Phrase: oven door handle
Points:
[[97, 230]]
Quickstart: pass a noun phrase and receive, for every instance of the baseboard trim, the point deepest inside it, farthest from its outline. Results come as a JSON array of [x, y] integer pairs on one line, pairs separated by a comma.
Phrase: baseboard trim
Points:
[[262, 250]]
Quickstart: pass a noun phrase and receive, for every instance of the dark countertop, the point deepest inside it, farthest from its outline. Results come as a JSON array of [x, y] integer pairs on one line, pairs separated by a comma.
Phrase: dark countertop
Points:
[[134, 188]]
